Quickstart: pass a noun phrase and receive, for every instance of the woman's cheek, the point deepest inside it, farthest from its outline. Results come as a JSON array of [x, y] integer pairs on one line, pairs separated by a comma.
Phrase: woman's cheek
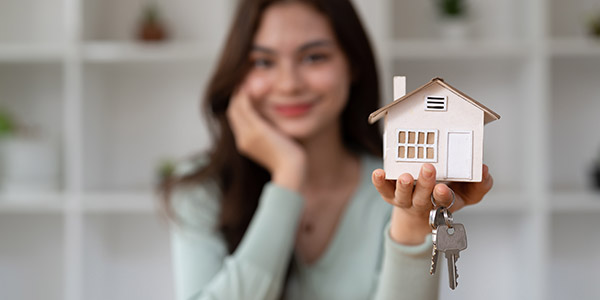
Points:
[[332, 81], [257, 86]]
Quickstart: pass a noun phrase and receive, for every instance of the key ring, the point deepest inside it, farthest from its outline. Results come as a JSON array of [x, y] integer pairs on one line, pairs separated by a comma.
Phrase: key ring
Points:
[[453, 199], [436, 215]]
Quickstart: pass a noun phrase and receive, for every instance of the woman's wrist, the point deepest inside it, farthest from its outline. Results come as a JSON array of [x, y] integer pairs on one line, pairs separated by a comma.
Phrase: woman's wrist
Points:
[[290, 175], [408, 229]]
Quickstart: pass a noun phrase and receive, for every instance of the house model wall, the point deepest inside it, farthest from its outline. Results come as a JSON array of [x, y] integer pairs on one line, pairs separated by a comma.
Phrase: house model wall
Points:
[[435, 124]]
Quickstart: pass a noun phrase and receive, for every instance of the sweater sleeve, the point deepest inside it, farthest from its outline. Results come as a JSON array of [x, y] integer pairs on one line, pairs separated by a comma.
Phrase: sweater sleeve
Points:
[[204, 270], [405, 271]]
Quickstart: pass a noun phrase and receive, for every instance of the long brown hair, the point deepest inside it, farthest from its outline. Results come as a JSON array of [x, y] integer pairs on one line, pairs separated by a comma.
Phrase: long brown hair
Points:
[[239, 179]]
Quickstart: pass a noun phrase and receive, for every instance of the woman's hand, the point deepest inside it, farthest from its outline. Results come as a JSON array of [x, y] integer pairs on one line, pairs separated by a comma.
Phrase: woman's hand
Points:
[[283, 157], [412, 203]]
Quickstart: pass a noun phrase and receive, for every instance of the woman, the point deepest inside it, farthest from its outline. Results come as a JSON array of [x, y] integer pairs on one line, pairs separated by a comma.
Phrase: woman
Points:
[[287, 202]]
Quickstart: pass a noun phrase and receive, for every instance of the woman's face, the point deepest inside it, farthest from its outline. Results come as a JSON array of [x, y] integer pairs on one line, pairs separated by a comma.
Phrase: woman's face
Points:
[[299, 79]]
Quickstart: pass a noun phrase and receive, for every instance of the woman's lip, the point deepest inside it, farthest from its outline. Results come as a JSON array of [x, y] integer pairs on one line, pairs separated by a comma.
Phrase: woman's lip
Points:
[[293, 110]]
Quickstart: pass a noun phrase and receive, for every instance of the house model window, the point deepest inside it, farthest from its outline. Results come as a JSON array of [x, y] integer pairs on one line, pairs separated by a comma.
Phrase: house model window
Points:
[[436, 103], [417, 145]]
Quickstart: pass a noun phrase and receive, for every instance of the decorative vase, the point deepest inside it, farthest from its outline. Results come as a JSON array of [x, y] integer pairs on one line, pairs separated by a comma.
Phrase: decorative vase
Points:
[[29, 165]]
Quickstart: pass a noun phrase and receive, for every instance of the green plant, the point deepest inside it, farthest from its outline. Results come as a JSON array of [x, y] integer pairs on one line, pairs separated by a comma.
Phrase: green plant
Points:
[[165, 169], [7, 124], [151, 14], [452, 8], [594, 24]]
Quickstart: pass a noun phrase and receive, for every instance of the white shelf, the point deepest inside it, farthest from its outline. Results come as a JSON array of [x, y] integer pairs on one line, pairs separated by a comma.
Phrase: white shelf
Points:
[[105, 203], [585, 201], [123, 202], [32, 203], [500, 202], [468, 49], [575, 47], [31, 52], [113, 52]]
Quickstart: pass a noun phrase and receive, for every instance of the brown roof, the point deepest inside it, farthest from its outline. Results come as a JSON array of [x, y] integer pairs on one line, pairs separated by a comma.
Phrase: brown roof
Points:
[[489, 116]]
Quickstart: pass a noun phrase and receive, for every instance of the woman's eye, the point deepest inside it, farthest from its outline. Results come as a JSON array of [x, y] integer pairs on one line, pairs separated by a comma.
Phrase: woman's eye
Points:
[[262, 63], [315, 58]]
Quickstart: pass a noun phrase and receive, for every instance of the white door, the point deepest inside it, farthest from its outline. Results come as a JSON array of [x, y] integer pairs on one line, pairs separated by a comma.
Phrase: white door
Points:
[[460, 155]]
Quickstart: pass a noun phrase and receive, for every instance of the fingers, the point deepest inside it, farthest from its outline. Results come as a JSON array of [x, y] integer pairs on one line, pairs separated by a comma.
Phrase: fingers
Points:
[[404, 194], [384, 187], [246, 123], [443, 195], [404, 191], [235, 114], [424, 187], [398, 193]]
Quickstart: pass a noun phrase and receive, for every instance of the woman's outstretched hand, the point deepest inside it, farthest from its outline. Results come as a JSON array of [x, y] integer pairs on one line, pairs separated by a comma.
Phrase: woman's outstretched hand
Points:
[[255, 138], [412, 202]]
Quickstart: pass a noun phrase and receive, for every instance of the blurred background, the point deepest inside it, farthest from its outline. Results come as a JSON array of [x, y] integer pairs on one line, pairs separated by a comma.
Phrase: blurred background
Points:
[[98, 97]]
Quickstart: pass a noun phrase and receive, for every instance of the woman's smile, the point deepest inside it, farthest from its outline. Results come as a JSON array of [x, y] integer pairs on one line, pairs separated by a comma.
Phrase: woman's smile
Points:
[[294, 110]]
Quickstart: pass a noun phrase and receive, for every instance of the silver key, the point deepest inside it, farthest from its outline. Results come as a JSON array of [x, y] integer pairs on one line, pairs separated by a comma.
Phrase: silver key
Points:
[[451, 241], [434, 260], [436, 218]]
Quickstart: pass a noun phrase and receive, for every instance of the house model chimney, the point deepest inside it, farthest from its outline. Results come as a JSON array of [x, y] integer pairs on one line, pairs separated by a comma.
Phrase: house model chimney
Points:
[[399, 87]]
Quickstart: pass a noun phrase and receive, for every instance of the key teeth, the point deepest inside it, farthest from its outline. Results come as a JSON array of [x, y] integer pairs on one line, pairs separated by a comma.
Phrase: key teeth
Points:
[[455, 276]]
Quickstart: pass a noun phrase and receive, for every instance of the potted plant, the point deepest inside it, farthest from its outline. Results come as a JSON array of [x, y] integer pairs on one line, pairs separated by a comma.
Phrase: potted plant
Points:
[[164, 171], [453, 19], [596, 172], [594, 25], [151, 27], [29, 157], [7, 125]]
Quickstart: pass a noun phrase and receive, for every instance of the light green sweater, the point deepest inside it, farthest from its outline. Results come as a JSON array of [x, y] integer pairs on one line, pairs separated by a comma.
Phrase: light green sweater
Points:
[[360, 262]]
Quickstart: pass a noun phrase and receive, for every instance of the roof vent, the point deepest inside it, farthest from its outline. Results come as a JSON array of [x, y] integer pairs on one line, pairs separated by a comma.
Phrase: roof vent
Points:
[[436, 103]]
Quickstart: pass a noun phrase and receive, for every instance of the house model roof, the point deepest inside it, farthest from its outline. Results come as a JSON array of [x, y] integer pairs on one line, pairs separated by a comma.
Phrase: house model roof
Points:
[[489, 115]]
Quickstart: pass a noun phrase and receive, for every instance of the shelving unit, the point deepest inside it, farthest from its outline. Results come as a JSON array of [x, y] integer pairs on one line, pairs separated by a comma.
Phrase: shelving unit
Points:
[[107, 109]]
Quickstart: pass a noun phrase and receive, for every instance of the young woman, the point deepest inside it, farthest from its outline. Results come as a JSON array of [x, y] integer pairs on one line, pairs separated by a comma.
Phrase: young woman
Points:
[[288, 203]]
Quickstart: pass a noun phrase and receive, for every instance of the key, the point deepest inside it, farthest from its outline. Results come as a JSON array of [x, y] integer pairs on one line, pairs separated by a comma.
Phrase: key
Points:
[[436, 218], [451, 241], [434, 221], [434, 259]]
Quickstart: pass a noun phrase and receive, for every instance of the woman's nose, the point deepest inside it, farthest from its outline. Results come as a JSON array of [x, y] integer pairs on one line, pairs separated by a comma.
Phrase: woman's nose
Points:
[[289, 79]]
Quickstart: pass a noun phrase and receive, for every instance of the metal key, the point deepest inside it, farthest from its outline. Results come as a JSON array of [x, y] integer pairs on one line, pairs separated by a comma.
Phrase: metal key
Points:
[[452, 240], [436, 218]]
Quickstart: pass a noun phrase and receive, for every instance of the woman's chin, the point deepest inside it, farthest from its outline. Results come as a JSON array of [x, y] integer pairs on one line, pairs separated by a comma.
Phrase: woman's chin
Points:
[[298, 135]]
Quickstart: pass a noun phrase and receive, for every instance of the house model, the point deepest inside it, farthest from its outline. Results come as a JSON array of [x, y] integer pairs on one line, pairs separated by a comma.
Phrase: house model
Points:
[[435, 124]]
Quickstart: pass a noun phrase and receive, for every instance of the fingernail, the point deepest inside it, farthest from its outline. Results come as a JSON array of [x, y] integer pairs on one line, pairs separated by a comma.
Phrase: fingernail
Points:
[[404, 181], [427, 170]]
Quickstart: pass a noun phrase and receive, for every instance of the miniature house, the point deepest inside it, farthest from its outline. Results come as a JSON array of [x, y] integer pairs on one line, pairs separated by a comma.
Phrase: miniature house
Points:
[[435, 124]]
